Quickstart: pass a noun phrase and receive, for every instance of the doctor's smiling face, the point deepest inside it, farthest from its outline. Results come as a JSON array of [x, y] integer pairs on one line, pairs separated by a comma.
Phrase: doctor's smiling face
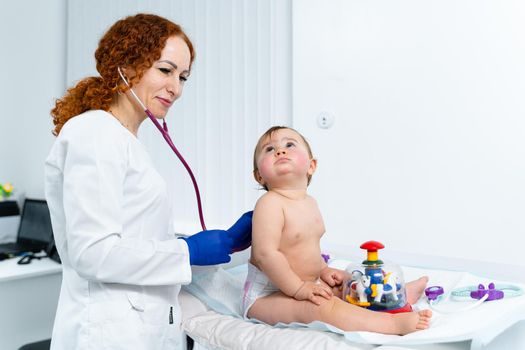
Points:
[[162, 83], [283, 159]]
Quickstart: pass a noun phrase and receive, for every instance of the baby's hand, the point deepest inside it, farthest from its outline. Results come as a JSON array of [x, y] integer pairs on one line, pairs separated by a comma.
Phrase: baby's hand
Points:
[[313, 291], [333, 277]]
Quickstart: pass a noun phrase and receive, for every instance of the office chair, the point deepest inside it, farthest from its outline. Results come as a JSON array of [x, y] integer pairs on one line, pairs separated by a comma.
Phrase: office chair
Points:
[[39, 345]]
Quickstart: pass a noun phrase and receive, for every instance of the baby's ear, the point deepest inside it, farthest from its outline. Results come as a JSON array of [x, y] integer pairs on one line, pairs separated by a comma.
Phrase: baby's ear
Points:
[[258, 178], [313, 166]]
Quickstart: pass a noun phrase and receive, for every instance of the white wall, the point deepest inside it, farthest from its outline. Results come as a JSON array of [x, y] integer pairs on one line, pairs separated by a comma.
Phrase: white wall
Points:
[[32, 71], [428, 98], [240, 85], [427, 150]]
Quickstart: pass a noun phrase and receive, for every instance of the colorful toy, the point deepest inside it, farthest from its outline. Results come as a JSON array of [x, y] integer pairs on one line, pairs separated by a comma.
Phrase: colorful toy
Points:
[[376, 285]]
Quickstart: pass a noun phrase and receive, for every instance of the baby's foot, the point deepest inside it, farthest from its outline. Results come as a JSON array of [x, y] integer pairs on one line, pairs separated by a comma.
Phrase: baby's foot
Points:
[[409, 322], [415, 288]]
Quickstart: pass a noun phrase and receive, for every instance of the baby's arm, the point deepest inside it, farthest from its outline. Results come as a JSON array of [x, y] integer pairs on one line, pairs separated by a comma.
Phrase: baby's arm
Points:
[[267, 227]]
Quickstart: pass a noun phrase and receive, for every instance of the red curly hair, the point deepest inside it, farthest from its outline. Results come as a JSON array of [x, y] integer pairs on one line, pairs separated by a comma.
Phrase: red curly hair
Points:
[[134, 42]]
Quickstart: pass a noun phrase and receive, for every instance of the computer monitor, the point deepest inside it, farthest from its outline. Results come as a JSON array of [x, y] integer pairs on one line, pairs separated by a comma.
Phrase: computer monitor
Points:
[[35, 223]]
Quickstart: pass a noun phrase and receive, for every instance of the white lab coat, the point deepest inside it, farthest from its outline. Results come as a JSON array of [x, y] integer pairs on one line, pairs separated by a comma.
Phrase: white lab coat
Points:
[[122, 266]]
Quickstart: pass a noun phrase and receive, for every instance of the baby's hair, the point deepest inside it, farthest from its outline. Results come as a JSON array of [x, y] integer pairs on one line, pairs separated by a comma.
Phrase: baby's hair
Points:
[[269, 134]]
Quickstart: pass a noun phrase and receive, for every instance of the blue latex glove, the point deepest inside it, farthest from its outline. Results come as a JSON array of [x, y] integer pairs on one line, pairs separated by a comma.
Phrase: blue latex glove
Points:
[[241, 232], [209, 247], [213, 247]]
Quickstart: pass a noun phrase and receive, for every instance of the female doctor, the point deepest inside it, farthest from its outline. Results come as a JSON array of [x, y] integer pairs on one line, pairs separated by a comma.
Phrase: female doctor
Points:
[[122, 266]]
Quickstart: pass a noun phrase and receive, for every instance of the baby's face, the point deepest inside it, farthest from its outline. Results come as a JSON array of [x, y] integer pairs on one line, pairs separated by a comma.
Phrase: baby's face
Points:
[[283, 158]]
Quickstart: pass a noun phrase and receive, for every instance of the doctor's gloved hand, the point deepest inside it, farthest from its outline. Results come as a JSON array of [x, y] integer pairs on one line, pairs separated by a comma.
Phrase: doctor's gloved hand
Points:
[[209, 247], [213, 247], [241, 232]]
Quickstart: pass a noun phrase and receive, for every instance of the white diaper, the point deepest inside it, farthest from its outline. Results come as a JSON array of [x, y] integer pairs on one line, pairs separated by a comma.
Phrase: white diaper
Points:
[[257, 286]]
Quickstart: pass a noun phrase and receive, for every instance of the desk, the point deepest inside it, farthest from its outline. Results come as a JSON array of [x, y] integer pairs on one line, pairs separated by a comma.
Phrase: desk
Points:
[[28, 301]]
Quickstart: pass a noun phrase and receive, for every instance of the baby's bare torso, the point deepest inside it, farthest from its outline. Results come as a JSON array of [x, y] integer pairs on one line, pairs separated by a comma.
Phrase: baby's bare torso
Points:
[[301, 235]]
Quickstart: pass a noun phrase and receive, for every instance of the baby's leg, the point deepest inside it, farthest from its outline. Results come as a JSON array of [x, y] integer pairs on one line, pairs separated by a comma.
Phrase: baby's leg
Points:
[[278, 307], [415, 289]]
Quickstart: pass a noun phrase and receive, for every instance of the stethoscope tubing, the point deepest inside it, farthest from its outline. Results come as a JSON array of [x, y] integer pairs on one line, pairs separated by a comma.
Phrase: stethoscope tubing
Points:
[[464, 294], [166, 135], [466, 308]]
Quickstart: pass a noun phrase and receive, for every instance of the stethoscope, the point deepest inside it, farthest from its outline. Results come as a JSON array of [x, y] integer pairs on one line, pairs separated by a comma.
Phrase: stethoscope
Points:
[[435, 294], [164, 131]]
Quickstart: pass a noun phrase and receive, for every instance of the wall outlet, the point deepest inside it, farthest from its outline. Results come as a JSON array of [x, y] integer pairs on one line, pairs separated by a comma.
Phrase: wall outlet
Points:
[[325, 120]]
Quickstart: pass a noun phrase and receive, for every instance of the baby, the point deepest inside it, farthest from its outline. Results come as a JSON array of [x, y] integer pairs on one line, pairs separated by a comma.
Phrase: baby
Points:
[[288, 280]]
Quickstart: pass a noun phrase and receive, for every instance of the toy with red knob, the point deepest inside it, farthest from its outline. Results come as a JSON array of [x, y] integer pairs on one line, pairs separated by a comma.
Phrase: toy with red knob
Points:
[[376, 285]]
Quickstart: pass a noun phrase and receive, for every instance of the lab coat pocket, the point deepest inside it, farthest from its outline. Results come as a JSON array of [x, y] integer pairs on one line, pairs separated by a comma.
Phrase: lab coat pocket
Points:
[[133, 324], [112, 324], [161, 322]]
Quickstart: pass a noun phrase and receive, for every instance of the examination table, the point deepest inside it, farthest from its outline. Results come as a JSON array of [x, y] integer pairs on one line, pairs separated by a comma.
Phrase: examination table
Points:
[[496, 325]]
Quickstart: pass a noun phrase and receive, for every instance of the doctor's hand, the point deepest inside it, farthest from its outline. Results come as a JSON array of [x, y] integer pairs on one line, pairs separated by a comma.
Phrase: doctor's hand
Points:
[[241, 232], [209, 247]]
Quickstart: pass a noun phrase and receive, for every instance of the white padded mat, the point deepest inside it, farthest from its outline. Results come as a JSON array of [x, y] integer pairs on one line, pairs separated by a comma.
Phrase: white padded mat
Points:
[[222, 290]]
